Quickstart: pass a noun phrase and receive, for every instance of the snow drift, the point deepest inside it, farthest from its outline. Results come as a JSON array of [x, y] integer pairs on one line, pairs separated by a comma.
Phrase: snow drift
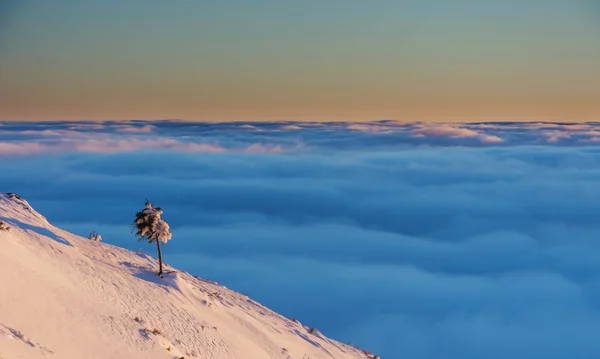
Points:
[[64, 296]]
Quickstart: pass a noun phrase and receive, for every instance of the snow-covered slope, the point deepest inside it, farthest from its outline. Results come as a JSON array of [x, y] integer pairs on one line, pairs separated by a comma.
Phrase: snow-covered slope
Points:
[[63, 296]]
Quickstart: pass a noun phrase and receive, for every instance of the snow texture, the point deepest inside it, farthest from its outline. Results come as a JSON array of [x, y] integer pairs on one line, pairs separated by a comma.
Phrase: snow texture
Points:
[[64, 296]]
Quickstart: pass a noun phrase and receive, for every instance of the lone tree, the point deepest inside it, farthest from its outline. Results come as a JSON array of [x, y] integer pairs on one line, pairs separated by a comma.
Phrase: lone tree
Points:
[[151, 228]]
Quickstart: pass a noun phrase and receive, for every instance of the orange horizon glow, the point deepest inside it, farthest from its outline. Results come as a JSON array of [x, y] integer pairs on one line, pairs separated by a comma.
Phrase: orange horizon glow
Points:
[[339, 61]]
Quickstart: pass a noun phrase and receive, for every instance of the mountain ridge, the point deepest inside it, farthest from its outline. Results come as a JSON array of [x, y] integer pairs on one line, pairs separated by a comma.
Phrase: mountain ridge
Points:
[[64, 296]]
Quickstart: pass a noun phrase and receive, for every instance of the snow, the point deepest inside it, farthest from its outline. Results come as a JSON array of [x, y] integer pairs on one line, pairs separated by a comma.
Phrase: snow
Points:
[[64, 296], [151, 226]]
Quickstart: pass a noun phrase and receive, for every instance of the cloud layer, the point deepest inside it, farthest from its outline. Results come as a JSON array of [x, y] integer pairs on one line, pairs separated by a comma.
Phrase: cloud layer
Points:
[[411, 240], [27, 138]]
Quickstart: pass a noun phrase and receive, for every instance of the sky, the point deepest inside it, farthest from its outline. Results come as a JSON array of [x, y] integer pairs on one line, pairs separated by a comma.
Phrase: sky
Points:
[[411, 240], [268, 60]]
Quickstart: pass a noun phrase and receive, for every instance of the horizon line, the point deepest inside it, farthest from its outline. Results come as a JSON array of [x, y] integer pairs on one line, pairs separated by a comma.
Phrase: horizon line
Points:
[[475, 121]]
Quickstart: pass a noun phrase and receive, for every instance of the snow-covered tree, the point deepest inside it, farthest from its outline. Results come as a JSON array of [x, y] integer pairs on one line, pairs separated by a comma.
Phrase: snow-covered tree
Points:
[[94, 236], [150, 227]]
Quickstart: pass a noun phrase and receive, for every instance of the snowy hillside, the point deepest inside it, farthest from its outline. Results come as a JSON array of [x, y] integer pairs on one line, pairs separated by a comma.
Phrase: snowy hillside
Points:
[[63, 296]]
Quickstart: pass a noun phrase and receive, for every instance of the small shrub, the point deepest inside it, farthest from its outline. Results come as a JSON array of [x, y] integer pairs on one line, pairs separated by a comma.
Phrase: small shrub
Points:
[[214, 294], [4, 226], [94, 236], [154, 331], [366, 352], [13, 195]]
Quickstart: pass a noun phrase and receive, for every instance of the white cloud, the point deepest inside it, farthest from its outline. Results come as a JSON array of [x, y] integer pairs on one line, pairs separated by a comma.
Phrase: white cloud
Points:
[[135, 129], [444, 130], [21, 149], [291, 127]]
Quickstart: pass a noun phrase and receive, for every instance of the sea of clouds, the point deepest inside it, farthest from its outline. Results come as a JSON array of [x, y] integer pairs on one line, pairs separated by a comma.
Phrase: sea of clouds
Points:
[[412, 240]]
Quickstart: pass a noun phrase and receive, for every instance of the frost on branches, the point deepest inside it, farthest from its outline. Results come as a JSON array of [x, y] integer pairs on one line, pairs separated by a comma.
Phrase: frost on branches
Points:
[[150, 227]]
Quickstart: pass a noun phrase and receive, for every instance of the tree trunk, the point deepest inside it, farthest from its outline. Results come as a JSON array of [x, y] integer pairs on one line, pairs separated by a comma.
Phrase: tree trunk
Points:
[[159, 258]]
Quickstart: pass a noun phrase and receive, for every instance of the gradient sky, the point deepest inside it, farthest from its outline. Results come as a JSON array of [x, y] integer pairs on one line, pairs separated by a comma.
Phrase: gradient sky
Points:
[[315, 60]]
